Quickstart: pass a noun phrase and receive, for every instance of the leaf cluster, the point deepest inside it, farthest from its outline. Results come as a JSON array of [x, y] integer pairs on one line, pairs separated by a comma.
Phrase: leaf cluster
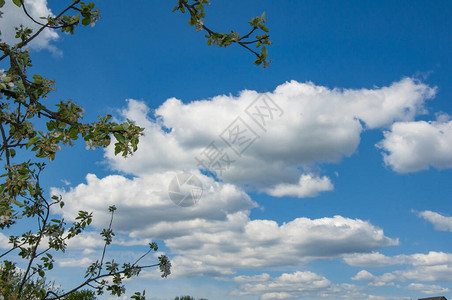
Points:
[[260, 40]]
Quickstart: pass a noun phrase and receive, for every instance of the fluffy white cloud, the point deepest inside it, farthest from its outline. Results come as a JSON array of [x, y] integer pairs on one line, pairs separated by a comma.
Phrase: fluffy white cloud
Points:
[[301, 285], [428, 289], [374, 259], [440, 222], [280, 295], [364, 275], [262, 243], [74, 262], [216, 236], [416, 146], [309, 124], [430, 267], [144, 205], [308, 186], [14, 16], [285, 286], [434, 273], [299, 125], [383, 280]]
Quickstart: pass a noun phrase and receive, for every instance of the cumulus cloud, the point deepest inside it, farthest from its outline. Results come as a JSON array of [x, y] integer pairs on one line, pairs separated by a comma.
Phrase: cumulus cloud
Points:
[[288, 285], [262, 243], [415, 146], [364, 275], [428, 289], [377, 259], [216, 236], [383, 280], [374, 259], [439, 221], [430, 267], [433, 273], [308, 186], [74, 262], [288, 132], [144, 205], [14, 16], [265, 140], [301, 285]]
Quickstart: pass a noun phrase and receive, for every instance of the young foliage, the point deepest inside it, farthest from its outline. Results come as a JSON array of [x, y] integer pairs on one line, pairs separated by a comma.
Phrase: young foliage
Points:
[[197, 15]]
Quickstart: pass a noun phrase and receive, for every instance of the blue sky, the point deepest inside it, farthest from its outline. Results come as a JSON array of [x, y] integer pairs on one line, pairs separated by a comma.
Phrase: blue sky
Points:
[[346, 193]]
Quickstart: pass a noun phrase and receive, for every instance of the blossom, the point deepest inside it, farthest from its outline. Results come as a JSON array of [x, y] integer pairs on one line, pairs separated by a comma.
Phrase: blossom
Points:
[[90, 145], [199, 24]]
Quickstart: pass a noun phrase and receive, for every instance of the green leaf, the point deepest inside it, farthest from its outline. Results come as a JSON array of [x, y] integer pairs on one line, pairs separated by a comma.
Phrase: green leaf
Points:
[[51, 125], [86, 21], [20, 204], [37, 78], [32, 141], [12, 152], [125, 126], [17, 2], [2, 2], [119, 137]]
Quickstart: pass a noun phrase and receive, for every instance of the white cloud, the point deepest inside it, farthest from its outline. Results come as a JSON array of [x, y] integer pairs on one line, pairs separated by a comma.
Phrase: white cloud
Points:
[[74, 262], [430, 267], [383, 280], [364, 275], [86, 240], [435, 273], [312, 124], [4, 241], [308, 186], [145, 208], [430, 259], [216, 236], [280, 295], [13, 16], [255, 278], [440, 222], [241, 243], [373, 259], [288, 285], [376, 259], [415, 146], [302, 285], [428, 289]]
